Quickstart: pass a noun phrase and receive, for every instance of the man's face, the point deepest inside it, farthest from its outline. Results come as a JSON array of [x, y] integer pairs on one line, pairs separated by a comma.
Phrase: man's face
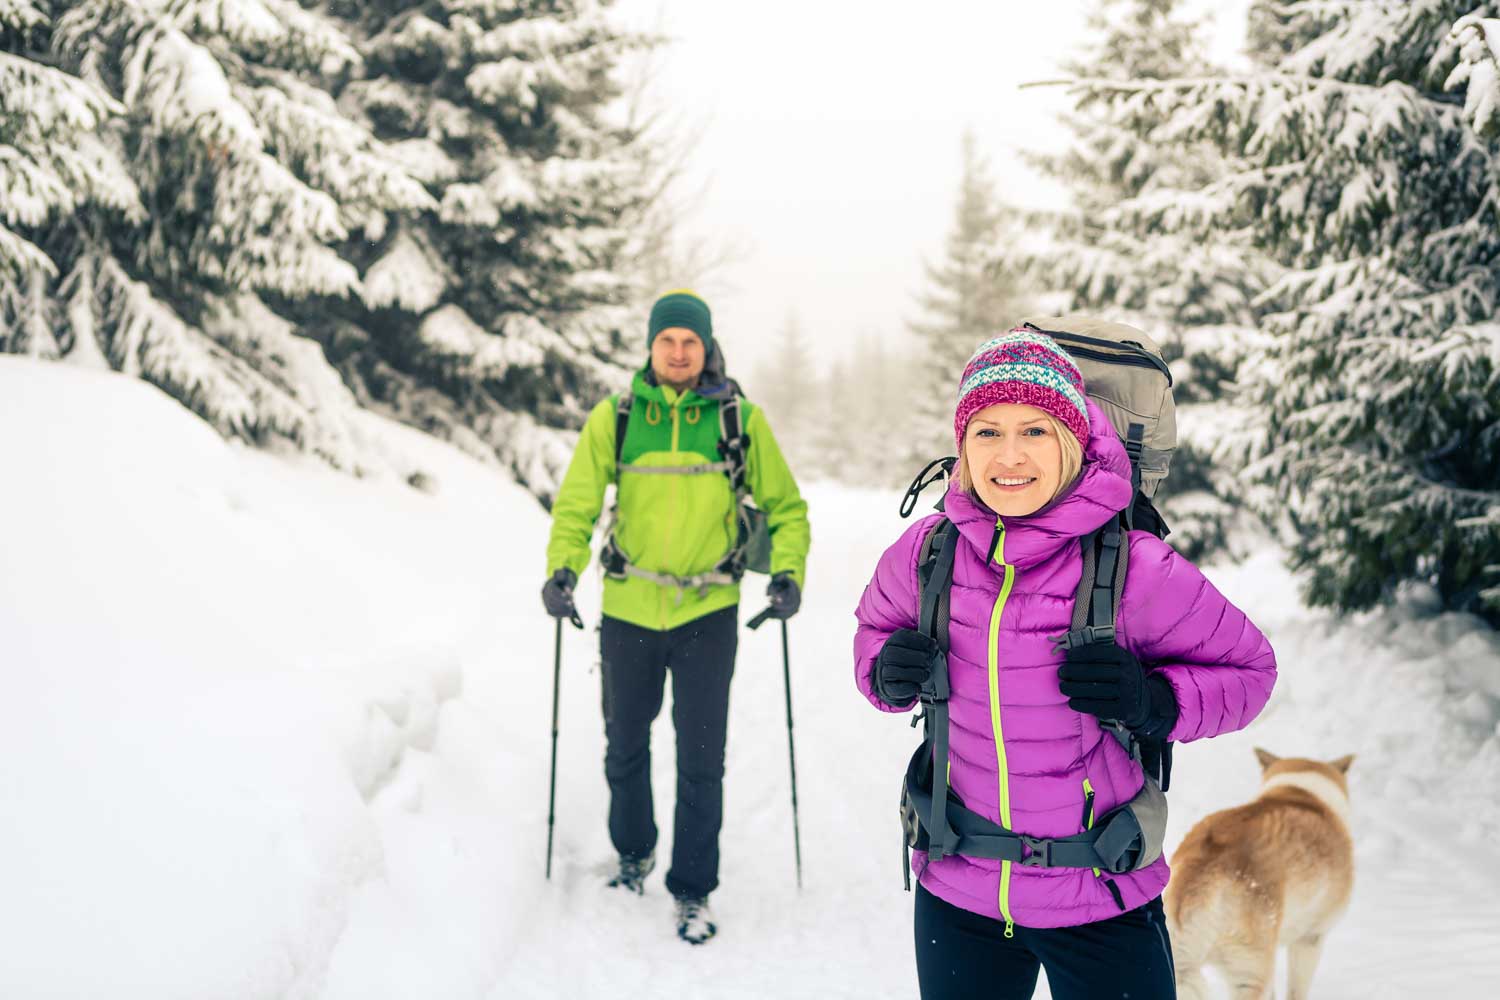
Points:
[[677, 357]]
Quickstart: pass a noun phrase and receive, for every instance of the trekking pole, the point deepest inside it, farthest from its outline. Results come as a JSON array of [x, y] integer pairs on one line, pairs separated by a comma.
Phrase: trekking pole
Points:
[[552, 782], [791, 746]]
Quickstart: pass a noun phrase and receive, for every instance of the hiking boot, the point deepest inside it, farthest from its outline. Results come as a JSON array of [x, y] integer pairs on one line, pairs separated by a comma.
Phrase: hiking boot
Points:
[[695, 922], [632, 874]]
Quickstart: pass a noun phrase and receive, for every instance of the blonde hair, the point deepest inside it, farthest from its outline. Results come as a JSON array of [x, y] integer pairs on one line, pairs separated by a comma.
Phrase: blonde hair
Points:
[[1068, 444]]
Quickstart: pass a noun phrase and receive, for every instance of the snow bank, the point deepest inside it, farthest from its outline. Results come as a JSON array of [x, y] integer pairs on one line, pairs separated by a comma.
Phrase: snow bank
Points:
[[215, 662]]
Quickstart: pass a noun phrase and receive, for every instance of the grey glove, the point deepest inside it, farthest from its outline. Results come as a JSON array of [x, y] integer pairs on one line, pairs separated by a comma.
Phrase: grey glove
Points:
[[557, 594], [785, 596]]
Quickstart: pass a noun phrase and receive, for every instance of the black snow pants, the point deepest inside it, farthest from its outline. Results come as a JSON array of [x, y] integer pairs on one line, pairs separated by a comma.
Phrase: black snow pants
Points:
[[963, 954], [700, 656]]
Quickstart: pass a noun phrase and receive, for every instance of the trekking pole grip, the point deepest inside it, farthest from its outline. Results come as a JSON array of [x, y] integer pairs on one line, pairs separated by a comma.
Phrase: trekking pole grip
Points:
[[760, 619]]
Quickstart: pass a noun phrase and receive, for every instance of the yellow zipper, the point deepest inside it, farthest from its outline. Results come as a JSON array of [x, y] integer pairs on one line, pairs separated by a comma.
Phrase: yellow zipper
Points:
[[1088, 808], [675, 488], [994, 669]]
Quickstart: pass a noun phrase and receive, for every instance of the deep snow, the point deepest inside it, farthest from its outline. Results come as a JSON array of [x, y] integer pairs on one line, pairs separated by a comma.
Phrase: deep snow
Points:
[[272, 731]]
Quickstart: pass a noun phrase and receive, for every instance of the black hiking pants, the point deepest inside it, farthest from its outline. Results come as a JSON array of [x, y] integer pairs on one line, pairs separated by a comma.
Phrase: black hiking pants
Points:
[[962, 954], [700, 656]]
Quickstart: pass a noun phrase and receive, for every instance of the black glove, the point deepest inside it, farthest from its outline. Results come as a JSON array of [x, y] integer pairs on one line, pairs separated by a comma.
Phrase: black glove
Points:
[[557, 594], [904, 665], [785, 596], [1106, 680]]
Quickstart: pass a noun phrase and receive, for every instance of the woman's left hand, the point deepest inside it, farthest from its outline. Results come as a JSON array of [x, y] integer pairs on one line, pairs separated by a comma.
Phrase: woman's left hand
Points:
[[1106, 680]]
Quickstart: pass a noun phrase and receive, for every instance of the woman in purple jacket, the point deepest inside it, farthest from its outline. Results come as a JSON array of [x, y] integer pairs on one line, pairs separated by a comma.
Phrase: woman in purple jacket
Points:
[[1040, 467]]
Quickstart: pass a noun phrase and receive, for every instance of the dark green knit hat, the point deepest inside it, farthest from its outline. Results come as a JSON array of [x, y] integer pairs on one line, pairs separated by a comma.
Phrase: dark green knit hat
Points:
[[684, 309]]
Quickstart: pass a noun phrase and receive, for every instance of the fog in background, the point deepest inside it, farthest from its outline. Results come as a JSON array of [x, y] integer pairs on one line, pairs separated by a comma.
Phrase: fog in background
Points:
[[824, 151]]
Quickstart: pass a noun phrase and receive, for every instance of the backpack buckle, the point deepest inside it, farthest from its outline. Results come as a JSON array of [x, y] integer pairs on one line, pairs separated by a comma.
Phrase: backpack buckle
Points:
[[1085, 636], [612, 559], [934, 690], [1041, 852]]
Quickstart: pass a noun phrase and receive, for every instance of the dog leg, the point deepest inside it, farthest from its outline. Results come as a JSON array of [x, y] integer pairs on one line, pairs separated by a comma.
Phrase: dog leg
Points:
[[1191, 984], [1249, 967], [1302, 958]]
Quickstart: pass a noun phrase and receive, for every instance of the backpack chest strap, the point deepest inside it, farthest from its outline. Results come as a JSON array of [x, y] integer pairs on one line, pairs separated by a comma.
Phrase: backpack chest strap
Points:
[[702, 468]]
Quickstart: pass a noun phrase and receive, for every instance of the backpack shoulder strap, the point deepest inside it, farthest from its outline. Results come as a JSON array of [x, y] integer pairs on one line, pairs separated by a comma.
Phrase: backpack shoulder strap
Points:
[[732, 442], [935, 579], [1096, 610], [935, 573], [623, 407], [1106, 553]]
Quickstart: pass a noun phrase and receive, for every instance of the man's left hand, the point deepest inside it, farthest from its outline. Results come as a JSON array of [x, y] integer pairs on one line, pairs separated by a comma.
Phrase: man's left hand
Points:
[[785, 596]]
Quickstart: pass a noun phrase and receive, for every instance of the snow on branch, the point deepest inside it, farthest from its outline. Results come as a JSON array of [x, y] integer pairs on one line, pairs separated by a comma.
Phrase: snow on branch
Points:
[[267, 226], [20, 15], [407, 276], [534, 37], [332, 153], [273, 32], [31, 192], [151, 341], [449, 331], [469, 205], [423, 159], [1478, 71], [40, 100], [19, 258]]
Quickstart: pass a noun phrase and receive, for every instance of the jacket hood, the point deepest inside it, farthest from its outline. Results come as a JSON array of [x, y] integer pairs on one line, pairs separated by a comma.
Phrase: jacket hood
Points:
[[1101, 491], [713, 384]]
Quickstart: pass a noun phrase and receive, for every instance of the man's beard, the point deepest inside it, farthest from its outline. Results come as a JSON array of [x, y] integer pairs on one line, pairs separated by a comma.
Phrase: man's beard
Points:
[[677, 386]]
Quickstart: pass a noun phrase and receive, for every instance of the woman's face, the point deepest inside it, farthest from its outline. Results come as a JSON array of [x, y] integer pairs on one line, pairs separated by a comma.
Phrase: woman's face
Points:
[[1014, 458]]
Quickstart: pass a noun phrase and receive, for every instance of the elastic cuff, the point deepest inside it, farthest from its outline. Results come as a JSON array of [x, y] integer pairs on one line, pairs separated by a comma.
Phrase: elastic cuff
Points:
[[1163, 709]]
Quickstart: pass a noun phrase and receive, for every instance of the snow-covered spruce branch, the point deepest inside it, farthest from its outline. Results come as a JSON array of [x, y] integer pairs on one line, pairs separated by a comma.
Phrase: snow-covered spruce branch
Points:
[[1478, 71], [269, 32]]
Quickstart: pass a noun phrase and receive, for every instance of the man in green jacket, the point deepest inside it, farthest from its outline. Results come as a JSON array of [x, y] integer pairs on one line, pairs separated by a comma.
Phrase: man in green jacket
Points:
[[671, 588]]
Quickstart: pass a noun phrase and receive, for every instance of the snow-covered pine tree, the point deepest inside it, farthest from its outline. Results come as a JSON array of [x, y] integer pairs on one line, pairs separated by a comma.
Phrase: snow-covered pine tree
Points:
[[499, 316], [878, 418], [971, 296], [1371, 175], [785, 383], [834, 423], [1122, 249], [55, 174], [228, 173]]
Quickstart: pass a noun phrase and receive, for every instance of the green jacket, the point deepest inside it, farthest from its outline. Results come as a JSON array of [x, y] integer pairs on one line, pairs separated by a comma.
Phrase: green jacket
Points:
[[675, 524]]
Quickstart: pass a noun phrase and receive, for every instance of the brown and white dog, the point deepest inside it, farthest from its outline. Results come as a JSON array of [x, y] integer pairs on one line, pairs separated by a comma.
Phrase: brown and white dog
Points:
[[1276, 871]]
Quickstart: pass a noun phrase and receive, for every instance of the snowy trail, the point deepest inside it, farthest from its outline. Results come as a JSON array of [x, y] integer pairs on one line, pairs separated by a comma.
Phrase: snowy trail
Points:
[[1415, 928], [282, 733]]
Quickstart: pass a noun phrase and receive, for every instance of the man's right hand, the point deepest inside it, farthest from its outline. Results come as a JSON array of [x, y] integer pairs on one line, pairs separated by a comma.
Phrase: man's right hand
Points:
[[903, 666], [557, 594]]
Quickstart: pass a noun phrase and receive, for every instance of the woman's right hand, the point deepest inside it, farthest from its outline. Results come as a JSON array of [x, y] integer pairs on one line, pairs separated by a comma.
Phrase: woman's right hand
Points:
[[904, 666]]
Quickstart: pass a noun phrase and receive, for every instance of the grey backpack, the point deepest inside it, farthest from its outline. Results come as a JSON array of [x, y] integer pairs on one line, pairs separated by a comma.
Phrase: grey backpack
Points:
[[1125, 373]]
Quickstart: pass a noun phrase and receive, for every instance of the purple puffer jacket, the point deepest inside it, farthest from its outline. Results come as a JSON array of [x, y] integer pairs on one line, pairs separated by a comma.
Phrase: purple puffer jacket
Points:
[[1019, 755]]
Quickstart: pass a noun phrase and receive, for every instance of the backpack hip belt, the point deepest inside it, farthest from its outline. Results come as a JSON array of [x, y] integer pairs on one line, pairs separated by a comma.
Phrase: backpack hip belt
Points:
[[617, 567], [1125, 840]]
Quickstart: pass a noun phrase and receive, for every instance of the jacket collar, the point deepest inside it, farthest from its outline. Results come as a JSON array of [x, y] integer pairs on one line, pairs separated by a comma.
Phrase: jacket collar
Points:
[[1101, 491], [713, 384], [645, 386]]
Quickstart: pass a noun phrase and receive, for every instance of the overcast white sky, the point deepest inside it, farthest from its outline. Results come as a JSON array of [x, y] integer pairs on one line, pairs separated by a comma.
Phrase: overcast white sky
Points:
[[829, 136]]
